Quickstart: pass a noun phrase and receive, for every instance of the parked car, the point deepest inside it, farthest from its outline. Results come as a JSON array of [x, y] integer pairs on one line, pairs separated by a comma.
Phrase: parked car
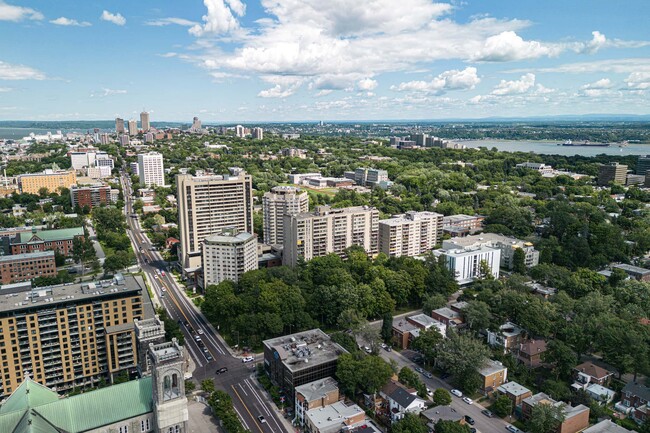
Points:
[[512, 429], [419, 370], [427, 374], [444, 376], [429, 392], [247, 359], [472, 430], [469, 420], [456, 392], [222, 370], [468, 400], [487, 413], [388, 349], [209, 357]]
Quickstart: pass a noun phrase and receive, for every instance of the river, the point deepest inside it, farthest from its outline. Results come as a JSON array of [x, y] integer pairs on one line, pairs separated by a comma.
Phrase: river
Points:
[[552, 148]]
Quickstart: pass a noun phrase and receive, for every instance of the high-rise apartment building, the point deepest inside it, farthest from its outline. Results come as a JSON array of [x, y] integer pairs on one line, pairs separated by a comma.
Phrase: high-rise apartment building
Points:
[[196, 124], [69, 335], [466, 263], [104, 139], [92, 196], [281, 201], [49, 179], [119, 126], [258, 133], [326, 230], [227, 255], [208, 204], [240, 131], [411, 234], [144, 121], [151, 169], [612, 172], [133, 127], [643, 165], [124, 140]]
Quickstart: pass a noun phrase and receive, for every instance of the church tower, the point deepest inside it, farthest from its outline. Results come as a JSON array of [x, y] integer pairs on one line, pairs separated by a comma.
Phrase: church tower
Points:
[[167, 362]]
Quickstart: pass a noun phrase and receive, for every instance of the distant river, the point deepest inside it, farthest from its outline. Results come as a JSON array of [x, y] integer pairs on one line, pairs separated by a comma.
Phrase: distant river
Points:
[[552, 148], [18, 133]]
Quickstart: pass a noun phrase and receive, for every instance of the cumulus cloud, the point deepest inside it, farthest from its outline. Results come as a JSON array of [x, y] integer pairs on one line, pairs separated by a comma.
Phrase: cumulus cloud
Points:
[[171, 20], [618, 66], [107, 92], [19, 72], [367, 84], [597, 42], [603, 83], [116, 18], [283, 86], [63, 21], [18, 13], [638, 80], [509, 46], [448, 80], [525, 83], [220, 18]]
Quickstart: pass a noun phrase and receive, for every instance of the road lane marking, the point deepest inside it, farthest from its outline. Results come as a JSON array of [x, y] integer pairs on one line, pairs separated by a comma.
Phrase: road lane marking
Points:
[[246, 407], [247, 381], [241, 418], [242, 388]]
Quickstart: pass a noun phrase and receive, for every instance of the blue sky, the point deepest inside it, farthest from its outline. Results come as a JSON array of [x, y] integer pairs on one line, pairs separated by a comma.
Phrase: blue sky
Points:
[[277, 60]]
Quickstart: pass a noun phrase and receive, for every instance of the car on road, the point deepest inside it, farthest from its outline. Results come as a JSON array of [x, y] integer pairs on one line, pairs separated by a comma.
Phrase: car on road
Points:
[[456, 392], [428, 375], [205, 349], [247, 359], [419, 370], [469, 420], [261, 418], [512, 429], [388, 348], [472, 430], [209, 357], [200, 331], [197, 338], [444, 376], [221, 370], [487, 413], [162, 273], [429, 392], [468, 400]]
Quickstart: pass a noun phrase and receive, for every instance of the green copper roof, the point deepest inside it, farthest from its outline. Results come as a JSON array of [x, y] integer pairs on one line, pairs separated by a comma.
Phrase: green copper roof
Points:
[[28, 395], [87, 411], [51, 235]]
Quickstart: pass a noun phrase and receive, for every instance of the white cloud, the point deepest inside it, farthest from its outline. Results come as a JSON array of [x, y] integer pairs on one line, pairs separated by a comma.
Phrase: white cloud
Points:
[[283, 86], [638, 80], [220, 18], [18, 13], [367, 84], [509, 46], [597, 42], [522, 85], [171, 20], [603, 83], [63, 21], [448, 80], [19, 72], [107, 92], [618, 66], [5, 89], [116, 19]]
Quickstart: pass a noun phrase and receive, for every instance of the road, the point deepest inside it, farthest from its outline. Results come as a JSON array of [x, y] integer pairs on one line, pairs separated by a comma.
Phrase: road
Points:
[[248, 400], [483, 423]]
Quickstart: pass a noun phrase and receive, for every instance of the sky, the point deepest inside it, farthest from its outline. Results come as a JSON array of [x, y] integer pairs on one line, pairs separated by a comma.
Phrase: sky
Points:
[[292, 60]]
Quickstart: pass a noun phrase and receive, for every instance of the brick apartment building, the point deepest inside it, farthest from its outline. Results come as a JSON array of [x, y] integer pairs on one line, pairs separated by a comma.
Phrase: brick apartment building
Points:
[[24, 267], [90, 196], [45, 240]]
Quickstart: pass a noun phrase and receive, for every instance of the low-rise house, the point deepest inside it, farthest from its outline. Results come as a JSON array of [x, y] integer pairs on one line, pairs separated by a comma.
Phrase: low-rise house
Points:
[[400, 401], [640, 274], [635, 398], [531, 351], [515, 392], [493, 375], [441, 413], [600, 394], [588, 373], [333, 418], [541, 290], [508, 337], [576, 418], [315, 395], [447, 316], [424, 322], [606, 426], [403, 333]]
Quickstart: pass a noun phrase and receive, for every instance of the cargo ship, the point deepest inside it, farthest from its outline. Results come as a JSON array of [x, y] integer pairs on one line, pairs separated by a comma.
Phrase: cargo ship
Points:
[[584, 143]]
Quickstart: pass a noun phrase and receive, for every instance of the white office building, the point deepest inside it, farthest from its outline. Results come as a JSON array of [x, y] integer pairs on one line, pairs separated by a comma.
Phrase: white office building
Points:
[[150, 169], [281, 201], [326, 230], [506, 244], [537, 166], [227, 255], [411, 234], [465, 263]]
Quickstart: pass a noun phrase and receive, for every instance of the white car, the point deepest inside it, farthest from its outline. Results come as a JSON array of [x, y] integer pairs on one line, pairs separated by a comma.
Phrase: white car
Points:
[[200, 331], [456, 392], [429, 392], [468, 400], [247, 359]]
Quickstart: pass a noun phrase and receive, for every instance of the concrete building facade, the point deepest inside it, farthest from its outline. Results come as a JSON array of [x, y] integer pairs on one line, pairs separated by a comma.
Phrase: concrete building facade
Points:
[[506, 244], [227, 255], [281, 201], [612, 172], [49, 179], [411, 234], [465, 263], [144, 121], [151, 169]]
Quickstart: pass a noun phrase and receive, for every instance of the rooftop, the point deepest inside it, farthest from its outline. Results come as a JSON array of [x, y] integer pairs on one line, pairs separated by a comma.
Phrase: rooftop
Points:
[[27, 256], [467, 251], [332, 417], [531, 347], [325, 210], [460, 218], [317, 389], [632, 269], [165, 351], [637, 389], [513, 388], [447, 313], [491, 368], [445, 413], [591, 369], [49, 235], [229, 237], [303, 349], [399, 394], [43, 297], [606, 426], [403, 326], [423, 320], [484, 239], [409, 217]]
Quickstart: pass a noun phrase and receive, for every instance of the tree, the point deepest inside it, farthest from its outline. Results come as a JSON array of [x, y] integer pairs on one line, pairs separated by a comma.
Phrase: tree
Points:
[[432, 302], [189, 386], [441, 397], [519, 261], [443, 426], [502, 406], [426, 343], [463, 356], [59, 259], [545, 418], [207, 385], [412, 423], [366, 373], [477, 315], [411, 379], [387, 327], [562, 358], [370, 335]]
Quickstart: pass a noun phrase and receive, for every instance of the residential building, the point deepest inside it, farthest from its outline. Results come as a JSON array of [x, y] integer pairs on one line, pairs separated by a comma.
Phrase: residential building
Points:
[[301, 358], [119, 126], [135, 168], [240, 131], [606, 426], [281, 201], [537, 166], [258, 133], [575, 418], [133, 127], [92, 196], [531, 351], [642, 165], [612, 172], [70, 335], [50, 179], [405, 330], [589, 373], [506, 244], [635, 398], [600, 394], [411, 234], [151, 169], [467, 264], [441, 413], [207, 204], [60, 240], [507, 338], [227, 255], [462, 225], [152, 404], [515, 392], [327, 230], [370, 176], [334, 418], [299, 178], [400, 401], [493, 375], [315, 395], [144, 121], [451, 318], [292, 152], [124, 140], [639, 274], [25, 267]]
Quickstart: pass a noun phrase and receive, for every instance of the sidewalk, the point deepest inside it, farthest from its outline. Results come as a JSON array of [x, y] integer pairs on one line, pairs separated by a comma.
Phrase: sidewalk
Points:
[[287, 424]]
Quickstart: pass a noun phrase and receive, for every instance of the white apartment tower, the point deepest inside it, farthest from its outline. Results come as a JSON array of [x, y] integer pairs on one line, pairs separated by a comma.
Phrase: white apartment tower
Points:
[[411, 234], [240, 131], [281, 201], [150, 168], [327, 230], [258, 133], [133, 127], [144, 121], [206, 205], [227, 255]]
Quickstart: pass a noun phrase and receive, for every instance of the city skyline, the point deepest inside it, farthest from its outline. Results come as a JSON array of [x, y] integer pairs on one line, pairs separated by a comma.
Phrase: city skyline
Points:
[[228, 60]]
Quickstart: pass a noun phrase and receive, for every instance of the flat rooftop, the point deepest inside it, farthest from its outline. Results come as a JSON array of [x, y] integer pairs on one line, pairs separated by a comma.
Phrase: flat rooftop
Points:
[[333, 416], [304, 349], [632, 269], [484, 238], [491, 368], [27, 256], [14, 300], [317, 389], [513, 388], [409, 217]]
